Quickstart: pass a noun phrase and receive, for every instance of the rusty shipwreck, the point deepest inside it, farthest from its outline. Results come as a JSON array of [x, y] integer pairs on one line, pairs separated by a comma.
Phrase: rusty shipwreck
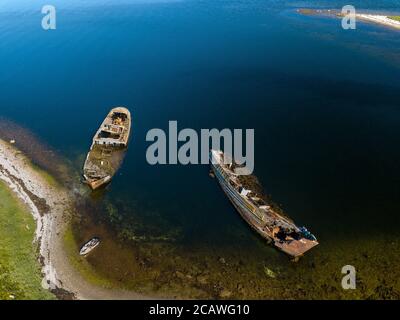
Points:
[[264, 216], [108, 148]]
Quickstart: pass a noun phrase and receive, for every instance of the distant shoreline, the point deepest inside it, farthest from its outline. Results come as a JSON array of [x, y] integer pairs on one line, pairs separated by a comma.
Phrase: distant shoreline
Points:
[[51, 207], [391, 21], [388, 21]]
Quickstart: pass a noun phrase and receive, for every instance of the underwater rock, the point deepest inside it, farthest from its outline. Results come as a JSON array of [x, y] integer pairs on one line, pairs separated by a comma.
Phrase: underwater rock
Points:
[[180, 275], [225, 294], [269, 273], [202, 279]]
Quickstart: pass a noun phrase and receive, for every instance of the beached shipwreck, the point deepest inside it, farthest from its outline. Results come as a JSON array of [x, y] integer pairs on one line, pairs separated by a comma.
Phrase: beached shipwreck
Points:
[[259, 211], [108, 148]]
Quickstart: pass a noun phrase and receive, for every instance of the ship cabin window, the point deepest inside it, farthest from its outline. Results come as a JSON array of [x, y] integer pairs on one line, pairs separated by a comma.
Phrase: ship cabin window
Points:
[[108, 135]]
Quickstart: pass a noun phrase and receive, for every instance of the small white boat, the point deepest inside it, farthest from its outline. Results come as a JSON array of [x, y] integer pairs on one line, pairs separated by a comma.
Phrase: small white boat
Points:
[[89, 246]]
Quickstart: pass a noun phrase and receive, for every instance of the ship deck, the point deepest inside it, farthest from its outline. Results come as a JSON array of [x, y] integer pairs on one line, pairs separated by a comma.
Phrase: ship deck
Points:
[[296, 248], [103, 161]]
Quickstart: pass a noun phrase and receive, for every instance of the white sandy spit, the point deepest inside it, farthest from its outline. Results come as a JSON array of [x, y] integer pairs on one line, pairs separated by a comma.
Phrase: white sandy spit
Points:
[[380, 19]]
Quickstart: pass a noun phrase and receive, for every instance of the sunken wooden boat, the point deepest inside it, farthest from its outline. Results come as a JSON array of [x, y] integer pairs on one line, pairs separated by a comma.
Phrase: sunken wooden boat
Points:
[[108, 148]]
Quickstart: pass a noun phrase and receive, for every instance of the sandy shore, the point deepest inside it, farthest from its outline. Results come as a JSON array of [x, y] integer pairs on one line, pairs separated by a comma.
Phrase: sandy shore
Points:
[[379, 19], [383, 20], [50, 206]]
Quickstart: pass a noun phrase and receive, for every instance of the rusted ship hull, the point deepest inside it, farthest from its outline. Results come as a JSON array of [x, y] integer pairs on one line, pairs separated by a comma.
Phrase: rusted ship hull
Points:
[[96, 184], [266, 222], [108, 148]]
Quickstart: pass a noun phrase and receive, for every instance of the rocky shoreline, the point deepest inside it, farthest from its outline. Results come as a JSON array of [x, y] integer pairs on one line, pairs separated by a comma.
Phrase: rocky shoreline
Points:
[[51, 206], [48, 205]]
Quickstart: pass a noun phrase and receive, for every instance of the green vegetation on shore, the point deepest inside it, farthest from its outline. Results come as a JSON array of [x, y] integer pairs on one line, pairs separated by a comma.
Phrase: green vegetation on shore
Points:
[[396, 18], [20, 276]]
